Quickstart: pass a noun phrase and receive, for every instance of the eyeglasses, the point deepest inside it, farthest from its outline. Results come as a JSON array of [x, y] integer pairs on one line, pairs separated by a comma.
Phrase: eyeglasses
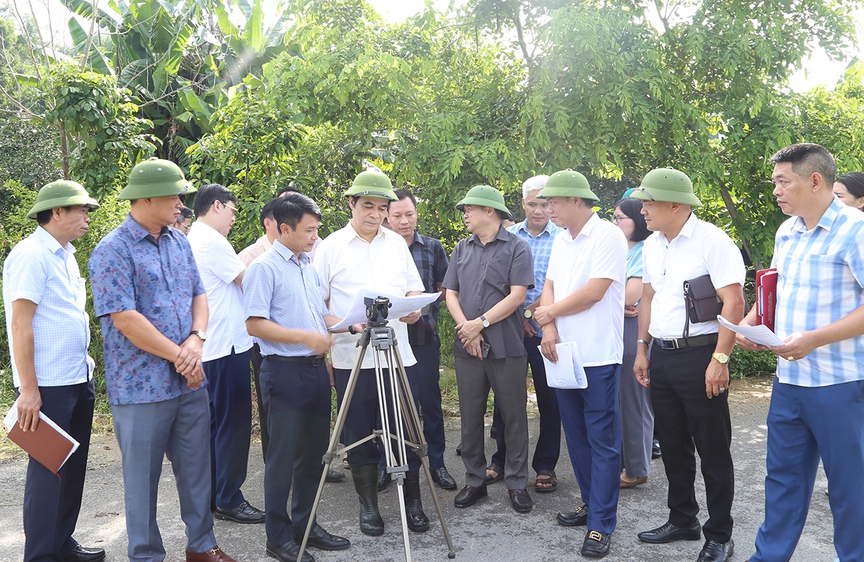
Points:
[[618, 218], [230, 206]]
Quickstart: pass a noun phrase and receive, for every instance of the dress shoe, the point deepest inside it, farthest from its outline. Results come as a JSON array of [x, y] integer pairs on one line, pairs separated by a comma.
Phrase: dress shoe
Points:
[[215, 554], [576, 518], [714, 551], [81, 554], [319, 538], [656, 453], [469, 495], [441, 477], [670, 533], [628, 482], [383, 480], [287, 552], [520, 500], [243, 513], [459, 450], [596, 544], [334, 476]]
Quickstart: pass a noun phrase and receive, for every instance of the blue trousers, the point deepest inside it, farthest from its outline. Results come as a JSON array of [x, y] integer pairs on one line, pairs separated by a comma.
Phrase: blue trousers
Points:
[[424, 385], [592, 426], [548, 447], [230, 390], [179, 427], [52, 504], [297, 401], [805, 423]]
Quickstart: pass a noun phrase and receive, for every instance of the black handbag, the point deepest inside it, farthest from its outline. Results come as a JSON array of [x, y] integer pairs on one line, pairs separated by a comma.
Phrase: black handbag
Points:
[[703, 303]]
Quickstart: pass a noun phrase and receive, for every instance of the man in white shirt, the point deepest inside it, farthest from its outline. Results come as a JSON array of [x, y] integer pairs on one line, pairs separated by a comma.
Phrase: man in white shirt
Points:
[[583, 303], [364, 255], [689, 371], [225, 355]]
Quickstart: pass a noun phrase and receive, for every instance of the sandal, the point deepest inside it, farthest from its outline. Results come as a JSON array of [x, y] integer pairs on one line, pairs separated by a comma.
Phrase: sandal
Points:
[[546, 481], [494, 473]]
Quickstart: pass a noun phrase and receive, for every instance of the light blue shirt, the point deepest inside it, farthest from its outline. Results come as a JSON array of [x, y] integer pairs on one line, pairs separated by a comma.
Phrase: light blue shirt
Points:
[[285, 290], [541, 248], [820, 280], [40, 270], [634, 260]]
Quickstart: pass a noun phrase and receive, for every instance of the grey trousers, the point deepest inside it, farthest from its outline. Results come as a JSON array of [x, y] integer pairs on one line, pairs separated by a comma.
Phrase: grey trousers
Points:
[[507, 379], [637, 413], [179, 427]]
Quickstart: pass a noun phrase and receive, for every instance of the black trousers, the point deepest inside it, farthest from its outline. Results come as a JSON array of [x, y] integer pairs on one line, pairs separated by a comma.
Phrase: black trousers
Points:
[[686, 421], [297, 402], [52, 504], [255, 355]]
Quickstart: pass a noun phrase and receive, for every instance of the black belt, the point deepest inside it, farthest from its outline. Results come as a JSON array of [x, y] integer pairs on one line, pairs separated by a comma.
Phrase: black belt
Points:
[[313, 360], [683, 343]]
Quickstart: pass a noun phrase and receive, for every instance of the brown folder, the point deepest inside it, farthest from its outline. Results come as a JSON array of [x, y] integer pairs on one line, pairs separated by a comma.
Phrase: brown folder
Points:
[[47, 445]]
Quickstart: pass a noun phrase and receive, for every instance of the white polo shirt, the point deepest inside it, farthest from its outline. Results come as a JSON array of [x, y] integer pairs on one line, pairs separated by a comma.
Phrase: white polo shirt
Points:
[[698, 249], [346, 264], [219, 265], [599, 251]]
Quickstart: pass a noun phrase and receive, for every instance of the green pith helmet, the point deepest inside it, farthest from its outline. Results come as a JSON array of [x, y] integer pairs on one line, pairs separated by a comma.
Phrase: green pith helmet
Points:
[[155, 178], [372, 184], [484, 196], [61, 193], [667, 184], [568, 183]]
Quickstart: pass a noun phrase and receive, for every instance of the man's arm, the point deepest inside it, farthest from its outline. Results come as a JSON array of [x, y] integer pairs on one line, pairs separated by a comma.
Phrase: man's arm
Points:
[[24, 346], [266, 329], [578, 301], [414, 316], [239, 279], [550, 330], [468, 330], [717, 374], [640, 364], [801, 344], [473, 346], [751, 319]]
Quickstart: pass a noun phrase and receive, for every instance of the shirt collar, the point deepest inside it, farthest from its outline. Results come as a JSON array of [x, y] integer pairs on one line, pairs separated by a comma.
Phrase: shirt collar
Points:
[[138, 232], [357, 235], [50, 242], [829, 217], [418, 239], [288, 255], [502, 235], [586, 230], [686, 230], [523, 226]]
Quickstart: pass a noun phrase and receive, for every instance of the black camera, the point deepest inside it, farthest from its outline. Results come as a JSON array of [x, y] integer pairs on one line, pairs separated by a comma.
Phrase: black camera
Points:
[[376, 310]]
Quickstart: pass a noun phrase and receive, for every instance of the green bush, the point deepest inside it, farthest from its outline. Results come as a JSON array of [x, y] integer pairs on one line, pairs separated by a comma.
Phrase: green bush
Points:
[[752, 363]]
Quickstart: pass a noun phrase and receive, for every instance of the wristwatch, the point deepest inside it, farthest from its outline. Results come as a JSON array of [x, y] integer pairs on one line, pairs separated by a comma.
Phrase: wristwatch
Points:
[[485, 322], [528, 313], [199, 333], [721, 358]]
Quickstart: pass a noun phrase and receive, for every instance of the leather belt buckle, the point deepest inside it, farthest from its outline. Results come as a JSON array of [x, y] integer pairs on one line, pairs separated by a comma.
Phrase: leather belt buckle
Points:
[[669, 344], [317, 361]]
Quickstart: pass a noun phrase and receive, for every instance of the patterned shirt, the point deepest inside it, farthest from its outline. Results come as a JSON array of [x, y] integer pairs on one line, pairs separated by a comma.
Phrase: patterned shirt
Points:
[[285, 290], [431, 261], [132, 270], [820, 279], [541, 247], [40, 270]]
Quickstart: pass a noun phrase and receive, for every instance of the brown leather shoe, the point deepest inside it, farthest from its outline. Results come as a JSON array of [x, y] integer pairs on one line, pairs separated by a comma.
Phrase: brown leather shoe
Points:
[[628, 482], [215, 554]]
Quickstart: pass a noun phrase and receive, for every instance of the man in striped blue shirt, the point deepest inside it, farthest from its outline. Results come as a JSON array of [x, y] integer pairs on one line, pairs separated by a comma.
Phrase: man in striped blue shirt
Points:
[[817, 404]]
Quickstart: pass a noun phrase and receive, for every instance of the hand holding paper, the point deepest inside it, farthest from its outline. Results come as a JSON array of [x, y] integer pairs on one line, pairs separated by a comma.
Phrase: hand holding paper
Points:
[[760, 335]]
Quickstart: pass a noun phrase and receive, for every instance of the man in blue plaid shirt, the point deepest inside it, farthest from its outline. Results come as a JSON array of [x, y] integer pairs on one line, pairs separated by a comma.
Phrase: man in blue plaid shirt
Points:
[[817, 404]]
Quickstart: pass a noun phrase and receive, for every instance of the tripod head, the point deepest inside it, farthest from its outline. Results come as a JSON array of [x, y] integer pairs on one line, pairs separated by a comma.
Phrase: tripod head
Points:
[[376, 311]]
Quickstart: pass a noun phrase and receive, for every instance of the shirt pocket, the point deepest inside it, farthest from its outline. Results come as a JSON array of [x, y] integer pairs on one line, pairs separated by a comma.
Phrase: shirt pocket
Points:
[[817, 270]]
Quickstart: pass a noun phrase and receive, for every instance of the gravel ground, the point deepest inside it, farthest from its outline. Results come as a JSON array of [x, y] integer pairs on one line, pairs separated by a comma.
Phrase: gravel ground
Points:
[[490, 530]]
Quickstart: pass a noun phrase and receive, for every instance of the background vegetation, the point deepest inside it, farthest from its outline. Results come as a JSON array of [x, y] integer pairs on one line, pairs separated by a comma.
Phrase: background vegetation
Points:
[[493, 92]]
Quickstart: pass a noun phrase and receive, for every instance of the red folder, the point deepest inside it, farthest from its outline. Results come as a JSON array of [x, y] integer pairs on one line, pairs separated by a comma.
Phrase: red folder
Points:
[[766, 296], [49, 444]]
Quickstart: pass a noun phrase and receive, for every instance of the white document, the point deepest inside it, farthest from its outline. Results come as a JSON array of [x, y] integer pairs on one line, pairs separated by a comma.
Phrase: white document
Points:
[[760, 334], [569, 371], [399, 307], [11, 419]]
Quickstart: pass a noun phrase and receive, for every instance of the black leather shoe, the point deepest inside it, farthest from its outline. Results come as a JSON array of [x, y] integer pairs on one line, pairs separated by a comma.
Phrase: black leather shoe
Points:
[[578, 518], [383, 480], [596, 544], [520, 500], [469, 495], [656, 453], [243, 513], [670, 533], [441, 477], [81, 554], [459, 450], [714, 551], [319, 538], [287, 552], [334, 476]]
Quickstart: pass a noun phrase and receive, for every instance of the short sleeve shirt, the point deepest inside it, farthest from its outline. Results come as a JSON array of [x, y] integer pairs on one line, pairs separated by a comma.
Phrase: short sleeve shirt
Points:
[[431, 261], [284, 289], [634, 260], [598, 251], [132, 270], [483, 275], [40, 270], [248, 254], [699, 249], [218, 266], [347, 264], [541, 247], [820, 279]]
